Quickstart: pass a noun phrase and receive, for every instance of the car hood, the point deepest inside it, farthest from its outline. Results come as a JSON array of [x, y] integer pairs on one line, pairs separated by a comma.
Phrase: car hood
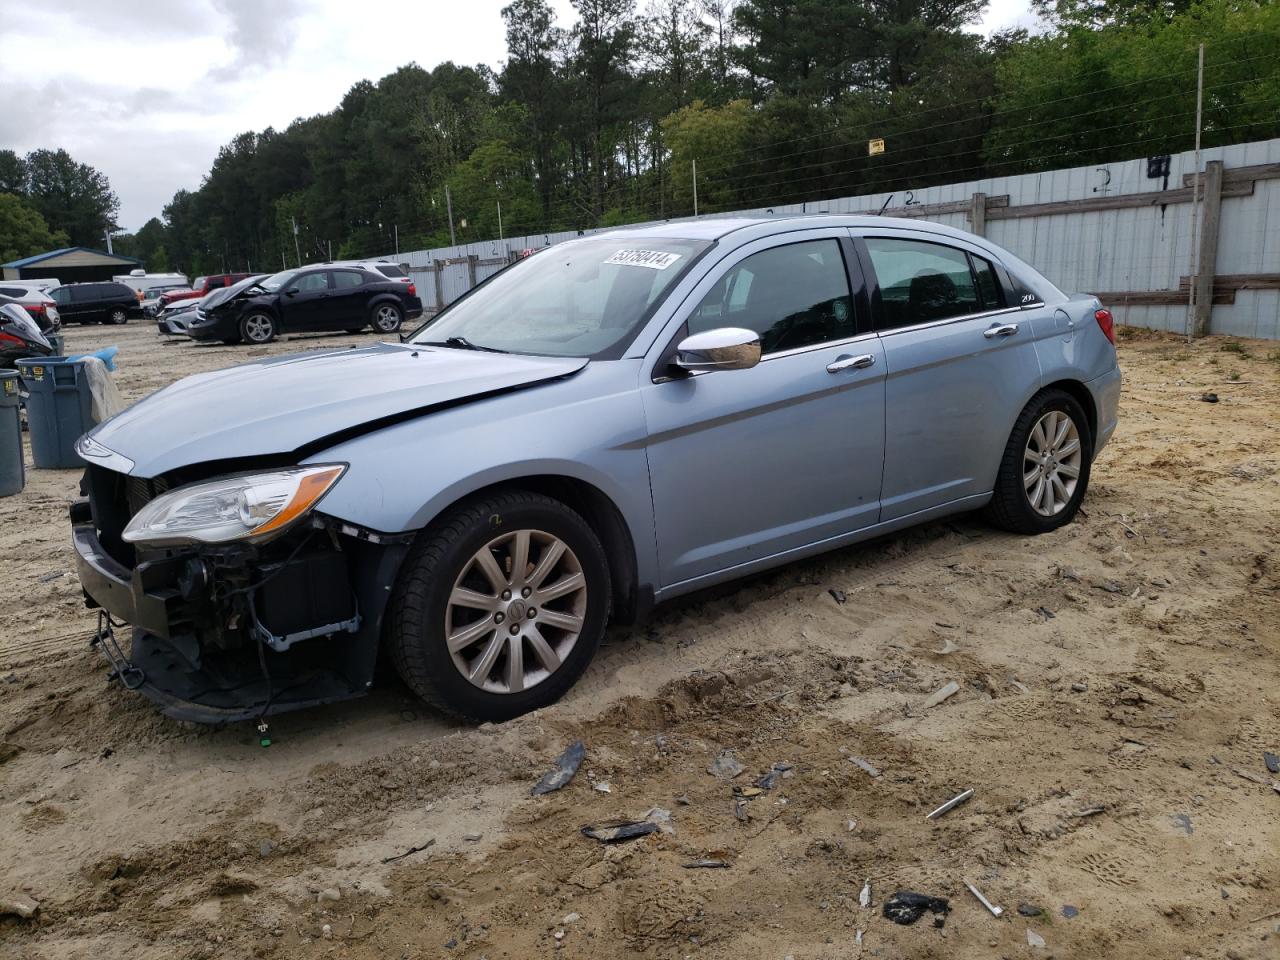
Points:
[[223, 294], [284, 405]]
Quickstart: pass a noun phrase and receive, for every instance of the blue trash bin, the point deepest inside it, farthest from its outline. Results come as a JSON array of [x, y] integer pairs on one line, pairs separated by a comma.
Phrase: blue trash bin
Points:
[[59, 410], [58, 342], [13, 475]]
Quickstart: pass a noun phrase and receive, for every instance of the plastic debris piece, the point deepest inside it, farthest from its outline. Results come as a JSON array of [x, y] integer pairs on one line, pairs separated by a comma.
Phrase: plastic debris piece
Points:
[[708, 863], [770, 779], [1272, 761], [662, 817], [948, 646], [1184, 821], [1029, 910], [905, 907], [941, 694], [603, 787], [838, 596], [1069, 911], [864, 766], [851, 825], [1209, 397], [1034, 939], [725, 766], [747, 793], [410, 852], [619, 831], [864, 898], [951, 804], [995, 911], [857, 939], [566, 765]]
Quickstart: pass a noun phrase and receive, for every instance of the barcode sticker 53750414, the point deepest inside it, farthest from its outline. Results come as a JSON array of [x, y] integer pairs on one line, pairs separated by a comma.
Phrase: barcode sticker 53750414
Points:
[[653, 259]]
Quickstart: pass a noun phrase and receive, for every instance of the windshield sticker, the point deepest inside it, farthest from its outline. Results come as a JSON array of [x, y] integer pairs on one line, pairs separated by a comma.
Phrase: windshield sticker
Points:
[[653, 259]]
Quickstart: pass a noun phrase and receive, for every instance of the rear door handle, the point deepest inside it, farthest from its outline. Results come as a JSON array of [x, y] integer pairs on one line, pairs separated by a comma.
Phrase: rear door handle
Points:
[[1003, 330], [851, 363]]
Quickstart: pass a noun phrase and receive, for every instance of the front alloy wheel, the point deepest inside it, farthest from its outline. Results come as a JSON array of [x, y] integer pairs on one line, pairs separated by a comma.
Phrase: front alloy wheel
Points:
[[258, 328], [500, 606], [118, 317]]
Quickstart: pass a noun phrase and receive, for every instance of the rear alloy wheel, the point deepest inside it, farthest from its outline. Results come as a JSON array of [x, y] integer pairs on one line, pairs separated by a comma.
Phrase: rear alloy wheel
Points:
[[118, 316], [258, 328], [1045, 470], [501, 606], [387, 318]]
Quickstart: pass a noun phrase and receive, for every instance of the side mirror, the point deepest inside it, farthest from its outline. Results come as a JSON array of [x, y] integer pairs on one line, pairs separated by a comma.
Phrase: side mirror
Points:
[[725, 348], [291, 292]]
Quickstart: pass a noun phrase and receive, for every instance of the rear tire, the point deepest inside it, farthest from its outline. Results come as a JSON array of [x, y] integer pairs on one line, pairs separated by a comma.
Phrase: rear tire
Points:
[[531, 633], [1044, 472], [387, 317], [117, 317], [258, 328]]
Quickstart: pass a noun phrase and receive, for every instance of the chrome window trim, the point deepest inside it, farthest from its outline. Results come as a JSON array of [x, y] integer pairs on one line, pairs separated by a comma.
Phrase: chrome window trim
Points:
[[950, 320], [813, 347]]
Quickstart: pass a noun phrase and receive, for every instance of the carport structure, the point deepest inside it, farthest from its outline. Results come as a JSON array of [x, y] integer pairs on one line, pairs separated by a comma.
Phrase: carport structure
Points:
[[70, 265]]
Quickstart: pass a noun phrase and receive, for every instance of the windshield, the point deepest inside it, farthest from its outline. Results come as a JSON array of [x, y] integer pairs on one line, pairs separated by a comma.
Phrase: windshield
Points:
[[577, 299], [277, 280]]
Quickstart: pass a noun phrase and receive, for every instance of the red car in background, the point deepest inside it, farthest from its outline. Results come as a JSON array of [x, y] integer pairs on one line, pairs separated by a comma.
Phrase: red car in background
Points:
[[202, 286]]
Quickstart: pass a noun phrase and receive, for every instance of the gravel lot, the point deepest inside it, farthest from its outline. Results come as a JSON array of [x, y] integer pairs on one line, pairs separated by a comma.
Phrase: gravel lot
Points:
[[1118, 683]]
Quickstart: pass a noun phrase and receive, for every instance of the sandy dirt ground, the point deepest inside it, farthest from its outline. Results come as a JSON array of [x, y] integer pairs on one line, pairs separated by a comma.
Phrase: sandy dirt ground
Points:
[[1119, 681]]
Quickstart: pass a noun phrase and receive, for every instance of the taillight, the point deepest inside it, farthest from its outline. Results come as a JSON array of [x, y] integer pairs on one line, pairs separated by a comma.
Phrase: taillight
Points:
[[413, 289], [35, 309], [10, 338], [1106, 323]]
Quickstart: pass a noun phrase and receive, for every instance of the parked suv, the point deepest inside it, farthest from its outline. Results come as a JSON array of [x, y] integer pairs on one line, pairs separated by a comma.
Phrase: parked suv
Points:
[[326, 297], [201, 286], [95, 302], [36, 302]]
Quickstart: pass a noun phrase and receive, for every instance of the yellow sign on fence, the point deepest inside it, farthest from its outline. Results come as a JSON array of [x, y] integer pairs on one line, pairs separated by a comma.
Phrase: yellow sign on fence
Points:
[[875, 148]]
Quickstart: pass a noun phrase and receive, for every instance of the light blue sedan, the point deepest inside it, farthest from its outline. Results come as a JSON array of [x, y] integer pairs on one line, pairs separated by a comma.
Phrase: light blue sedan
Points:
[[605, 425]]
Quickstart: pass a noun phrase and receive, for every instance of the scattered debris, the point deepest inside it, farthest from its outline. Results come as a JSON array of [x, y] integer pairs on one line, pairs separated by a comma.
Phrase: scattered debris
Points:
[[1090, 811], [410, 852], [838, 596], [603, 787], [265, 848], [864, 766], [857, 939], [48, 577], [683, 800], [948, 646], [1184, 821], [1045, 612], [851, 825], [570, 918], [995, 911], [326, 932], [472, 837], [331, 894], [951, 804], [1110, 586], [1029, 910], [1019, 685], [770, 779], [1250, 776], [864, 898], [1079, 688], [619, 831], [941, 694], [1069, 911], [1034, 939], [18, 906], [1266, 916], [725, 766], [906, 907], [662, 817], [747, 793], [1272, 761], [1209, 397], [707, 864], [740, 810], [559, 934], [566, 765]]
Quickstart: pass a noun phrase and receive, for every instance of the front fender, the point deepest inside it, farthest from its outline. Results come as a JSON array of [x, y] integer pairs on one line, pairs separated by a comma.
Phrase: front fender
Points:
[[588, 428]]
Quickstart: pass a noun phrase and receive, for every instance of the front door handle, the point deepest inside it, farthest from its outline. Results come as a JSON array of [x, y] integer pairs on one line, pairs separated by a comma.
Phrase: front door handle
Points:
[[851, 363], [1003, 330]]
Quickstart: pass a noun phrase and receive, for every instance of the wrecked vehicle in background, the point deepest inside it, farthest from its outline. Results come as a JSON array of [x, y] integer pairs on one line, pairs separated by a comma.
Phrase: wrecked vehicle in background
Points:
[[615, 422]]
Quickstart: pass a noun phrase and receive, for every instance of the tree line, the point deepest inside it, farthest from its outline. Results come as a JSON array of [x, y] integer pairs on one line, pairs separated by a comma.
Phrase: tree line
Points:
[[48, 201], [599, 122]]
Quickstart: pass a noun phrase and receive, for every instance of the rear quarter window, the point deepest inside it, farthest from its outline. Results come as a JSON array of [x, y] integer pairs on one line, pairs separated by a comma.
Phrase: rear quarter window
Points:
[[391, 271]]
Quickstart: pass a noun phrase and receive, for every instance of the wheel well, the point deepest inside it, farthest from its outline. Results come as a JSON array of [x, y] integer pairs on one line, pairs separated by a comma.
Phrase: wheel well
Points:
[[1084, 398], [605, 519]]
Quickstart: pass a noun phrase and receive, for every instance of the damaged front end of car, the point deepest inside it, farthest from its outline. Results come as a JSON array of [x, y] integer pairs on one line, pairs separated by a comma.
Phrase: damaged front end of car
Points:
[[244, 599]]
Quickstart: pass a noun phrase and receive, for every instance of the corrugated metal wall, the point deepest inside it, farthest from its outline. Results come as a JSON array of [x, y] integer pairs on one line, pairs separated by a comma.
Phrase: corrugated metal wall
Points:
[[1137, 249]]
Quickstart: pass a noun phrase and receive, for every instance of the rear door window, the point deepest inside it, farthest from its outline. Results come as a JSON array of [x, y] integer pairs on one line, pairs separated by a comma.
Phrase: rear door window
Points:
[[921, 282], [347, 279], [794, 296], [85, 292]]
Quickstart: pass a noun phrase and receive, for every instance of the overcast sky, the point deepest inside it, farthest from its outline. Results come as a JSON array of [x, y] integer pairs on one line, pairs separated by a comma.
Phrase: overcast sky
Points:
[[148, 90]]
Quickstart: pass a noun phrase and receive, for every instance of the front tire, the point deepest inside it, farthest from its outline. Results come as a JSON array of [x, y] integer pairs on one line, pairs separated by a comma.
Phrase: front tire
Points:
[[1044, 472], [500, 606], [117, 317], [258, 328], [387, 318]]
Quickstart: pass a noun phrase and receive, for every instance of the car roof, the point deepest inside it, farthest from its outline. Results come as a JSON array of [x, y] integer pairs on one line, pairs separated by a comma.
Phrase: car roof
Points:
[[717, 228]]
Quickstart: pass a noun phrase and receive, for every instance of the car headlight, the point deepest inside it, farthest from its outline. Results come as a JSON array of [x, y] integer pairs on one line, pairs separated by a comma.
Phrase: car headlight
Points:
[[252, 508]]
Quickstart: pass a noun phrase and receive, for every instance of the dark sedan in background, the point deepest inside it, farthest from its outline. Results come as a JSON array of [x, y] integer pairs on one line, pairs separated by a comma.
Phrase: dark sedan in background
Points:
[[95, 302], [311, 299]]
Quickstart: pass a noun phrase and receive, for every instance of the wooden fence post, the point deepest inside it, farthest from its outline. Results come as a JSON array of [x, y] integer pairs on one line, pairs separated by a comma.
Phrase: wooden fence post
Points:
[[978, 214], [438, 266], [1207, 261], [471, 269]]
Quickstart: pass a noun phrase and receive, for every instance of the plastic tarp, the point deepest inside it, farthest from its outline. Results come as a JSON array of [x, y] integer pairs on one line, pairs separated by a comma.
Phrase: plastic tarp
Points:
[[107, 401]]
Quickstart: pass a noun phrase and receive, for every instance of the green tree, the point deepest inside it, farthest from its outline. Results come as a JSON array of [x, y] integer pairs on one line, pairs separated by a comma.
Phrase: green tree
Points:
[[13, 173], [72, 197], [23, 232]]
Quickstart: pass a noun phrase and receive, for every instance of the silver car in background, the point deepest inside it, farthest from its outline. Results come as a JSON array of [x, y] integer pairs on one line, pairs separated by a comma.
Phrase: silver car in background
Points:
[[615, 422]]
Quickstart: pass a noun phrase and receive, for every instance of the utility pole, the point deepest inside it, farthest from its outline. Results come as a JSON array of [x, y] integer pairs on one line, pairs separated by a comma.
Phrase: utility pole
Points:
[[109, 250], [1195, 203], [296, 248], [448, 200], [499, 221], [395, 228], [330, 242], [695, 186], [283, 264]]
